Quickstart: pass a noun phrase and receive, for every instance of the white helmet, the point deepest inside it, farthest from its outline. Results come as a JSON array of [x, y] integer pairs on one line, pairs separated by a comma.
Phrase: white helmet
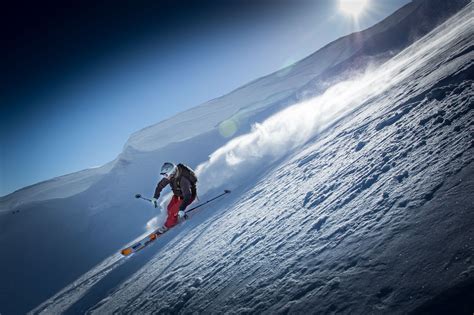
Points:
[[168, 169]]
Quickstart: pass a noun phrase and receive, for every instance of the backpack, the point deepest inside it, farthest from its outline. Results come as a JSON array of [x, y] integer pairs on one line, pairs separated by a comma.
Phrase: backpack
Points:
[[188, 172]]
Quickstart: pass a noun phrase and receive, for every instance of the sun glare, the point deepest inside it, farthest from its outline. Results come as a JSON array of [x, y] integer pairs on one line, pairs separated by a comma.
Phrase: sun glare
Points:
[[353, 7]]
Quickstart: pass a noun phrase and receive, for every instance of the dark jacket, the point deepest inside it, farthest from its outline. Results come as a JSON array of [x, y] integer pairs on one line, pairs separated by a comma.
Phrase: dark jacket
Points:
[[181, 186]]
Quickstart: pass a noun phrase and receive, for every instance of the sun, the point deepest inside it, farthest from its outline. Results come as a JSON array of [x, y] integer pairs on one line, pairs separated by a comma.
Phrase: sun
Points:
[[353, 7]]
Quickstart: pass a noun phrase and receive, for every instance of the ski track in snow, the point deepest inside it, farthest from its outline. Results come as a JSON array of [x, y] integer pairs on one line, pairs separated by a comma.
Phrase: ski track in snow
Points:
[[334, 213]]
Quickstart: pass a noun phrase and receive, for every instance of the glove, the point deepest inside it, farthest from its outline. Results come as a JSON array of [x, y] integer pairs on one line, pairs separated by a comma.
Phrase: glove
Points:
[[154, 202], [181, 214]]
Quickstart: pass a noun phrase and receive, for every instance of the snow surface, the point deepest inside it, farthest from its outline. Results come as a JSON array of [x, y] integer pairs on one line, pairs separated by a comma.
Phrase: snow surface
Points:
[[358, 201]]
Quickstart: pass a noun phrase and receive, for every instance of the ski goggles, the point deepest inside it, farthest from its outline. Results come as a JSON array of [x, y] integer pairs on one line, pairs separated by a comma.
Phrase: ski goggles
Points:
[[167, 175]]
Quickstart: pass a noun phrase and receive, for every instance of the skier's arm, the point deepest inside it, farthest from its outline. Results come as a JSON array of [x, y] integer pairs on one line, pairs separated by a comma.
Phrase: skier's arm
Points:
[[185, 185], [159, 187]]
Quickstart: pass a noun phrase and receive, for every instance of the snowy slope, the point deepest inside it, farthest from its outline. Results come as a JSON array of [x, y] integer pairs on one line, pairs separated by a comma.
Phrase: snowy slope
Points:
[[362, 203], [85, 217]]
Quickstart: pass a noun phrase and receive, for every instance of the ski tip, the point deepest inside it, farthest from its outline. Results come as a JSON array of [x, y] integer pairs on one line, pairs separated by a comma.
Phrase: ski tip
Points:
[[126, 251], [227, 191]]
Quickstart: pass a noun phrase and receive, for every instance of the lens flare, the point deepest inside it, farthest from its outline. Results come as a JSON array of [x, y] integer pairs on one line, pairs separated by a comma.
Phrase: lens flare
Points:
[[228, 127], [353, 7]]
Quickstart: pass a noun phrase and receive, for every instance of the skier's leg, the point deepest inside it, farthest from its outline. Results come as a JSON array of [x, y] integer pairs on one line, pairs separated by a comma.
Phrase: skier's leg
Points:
[[173, 208]]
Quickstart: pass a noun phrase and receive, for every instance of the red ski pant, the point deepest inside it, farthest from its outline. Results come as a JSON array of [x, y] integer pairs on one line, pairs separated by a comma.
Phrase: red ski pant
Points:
[[173, 208]]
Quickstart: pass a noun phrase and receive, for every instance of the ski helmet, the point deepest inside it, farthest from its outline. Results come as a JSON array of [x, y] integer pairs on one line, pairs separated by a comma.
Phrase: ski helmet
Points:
[[168, 169]]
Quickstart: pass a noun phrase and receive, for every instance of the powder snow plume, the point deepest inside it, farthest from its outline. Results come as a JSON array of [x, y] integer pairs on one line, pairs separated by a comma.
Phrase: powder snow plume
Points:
[[295, 125]]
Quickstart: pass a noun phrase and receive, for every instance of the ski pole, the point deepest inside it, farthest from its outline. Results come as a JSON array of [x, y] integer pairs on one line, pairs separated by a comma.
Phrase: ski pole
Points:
[[225, 192], [140, 196], [202, 204]]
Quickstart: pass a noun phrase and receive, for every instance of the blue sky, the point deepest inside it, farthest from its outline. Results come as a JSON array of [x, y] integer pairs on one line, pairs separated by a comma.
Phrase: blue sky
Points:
[[70, 109]]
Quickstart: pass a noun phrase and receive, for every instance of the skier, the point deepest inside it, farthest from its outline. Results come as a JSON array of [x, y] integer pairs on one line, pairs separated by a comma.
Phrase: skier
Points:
[[183, 181]]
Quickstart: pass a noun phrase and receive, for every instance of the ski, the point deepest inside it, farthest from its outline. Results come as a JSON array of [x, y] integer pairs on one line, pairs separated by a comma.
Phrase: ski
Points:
[[138, 246]]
